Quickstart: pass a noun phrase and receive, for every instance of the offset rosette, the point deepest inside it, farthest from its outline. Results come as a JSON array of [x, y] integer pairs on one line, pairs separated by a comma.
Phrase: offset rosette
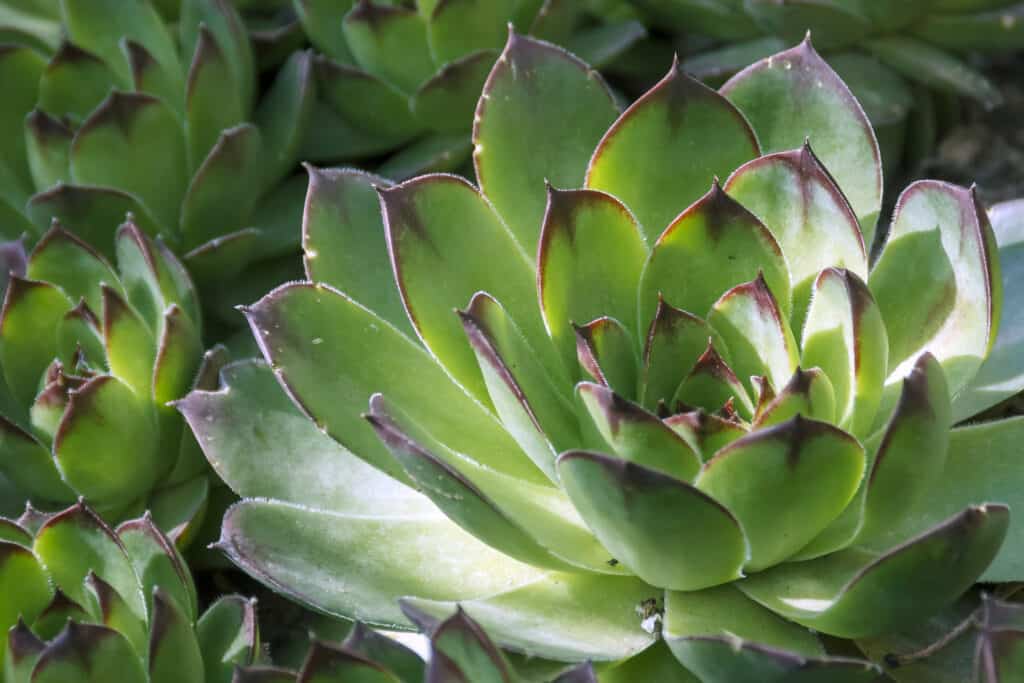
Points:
[[679, 401], [84, 602], [90, 357]]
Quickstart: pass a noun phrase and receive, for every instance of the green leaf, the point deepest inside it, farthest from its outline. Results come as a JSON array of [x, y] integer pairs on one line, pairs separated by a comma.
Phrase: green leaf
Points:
[[92, 213], [601, 45], [856, 593], [58, 613], [321, 19], [589, 261], [115, 612], [912, 453], [225, 24], [20, 70], [722, 245], [74, 543], [337, 334], [649, 157], [934, 68], [28, 464], [210, 107], [806, 472], [173, 650], [834, 23], [632, 509], [797, 200], [62, 259], [158, 564], [954, 313], [220, 196], [440, 223], [228, 637], [1000, 29], [636, 435], [26, 589], [524, 521], [86, 653], [389, 41], [131, 349], [99, 26], [343, 240], [437, 153], [1000, 375], [795, 96], [706, 433], [809, 393], [31, 313], [755, 332], [845, 336], [152, 277], [133, 142], [48, 142], [570, 617], [675, 341], [531, 403], [369, 103], [463, 641], [74, 83], [23, 650], [148, 76], [457, 28], [405, 663], [606, 351], [297, 551], [177, 357], [252, 420], [445, 101], [536, 92], [105, 447], [284, 114]]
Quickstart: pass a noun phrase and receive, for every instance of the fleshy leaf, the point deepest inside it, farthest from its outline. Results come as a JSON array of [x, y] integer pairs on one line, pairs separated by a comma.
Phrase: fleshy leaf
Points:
[[560, 616], [343, 240], [711, 247], [943, 230], [26, 589], [649, 157], [158, 563], [228, 636], [20, 69], [706, 432], [327, 662], [637, 435], [607, 352], [804, 209], [444, 102], [23, 650], [855, 593], [134, 142], [370, 104], [74, 83], [129, 343], [806, 472], [440, 223], [48, 142], [588, 263], [31, 312], [65, 260], [756, 332], [455, 29], [712, 384], [405, 663], [297, 551], [28, 463], [87, 653], [809, 393], [632, 510], [336, 334], [463, 641], [105, 446], [284, 114], [675, 340], [389, 40], [845, 336], [795, 96], [173, 650], [530, 80], [115, 612]]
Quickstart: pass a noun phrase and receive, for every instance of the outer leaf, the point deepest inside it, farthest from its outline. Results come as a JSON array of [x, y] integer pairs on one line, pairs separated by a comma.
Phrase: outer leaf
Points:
[[440, 223], [343, 240], [711, 247], [632, 509], [948, 234], [561, 616], [795, 96], [133, 142], [649, 157], [463, 641], [530, 79], [835, 24], [405, 663], [23, 650], [797, 200], [806, 471], [297, 551], [20, 69], [321, 19], [588, 263]]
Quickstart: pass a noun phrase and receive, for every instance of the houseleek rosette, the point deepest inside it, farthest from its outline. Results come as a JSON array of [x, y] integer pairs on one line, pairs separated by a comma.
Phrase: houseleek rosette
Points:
[[721, 425], [109, 109], [85, 603], [90, 355], [403, 78]]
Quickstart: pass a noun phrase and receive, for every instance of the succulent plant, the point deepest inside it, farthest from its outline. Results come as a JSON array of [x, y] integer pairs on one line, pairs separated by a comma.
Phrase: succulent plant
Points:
[[721, 425], [88, 604], [406, 75], [900, 57], [89, 357], [106, 116]]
